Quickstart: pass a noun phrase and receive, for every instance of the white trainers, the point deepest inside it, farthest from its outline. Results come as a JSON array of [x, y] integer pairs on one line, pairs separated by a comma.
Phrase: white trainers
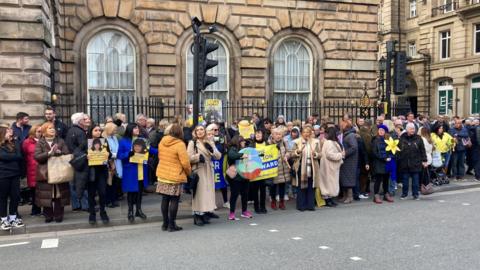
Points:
[[286, 198], [364, 197], [226, 205], [5, 225], [17, 223], [277, 198]]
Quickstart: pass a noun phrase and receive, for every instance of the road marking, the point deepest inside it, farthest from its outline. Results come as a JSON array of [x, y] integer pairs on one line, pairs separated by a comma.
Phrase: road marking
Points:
[[14, 244], [253, 224], [324, 247], [273, 230], [441, 201], [453, 192], [416, 246], [50, 243], [466, 204], [355, 258], [296, 238]]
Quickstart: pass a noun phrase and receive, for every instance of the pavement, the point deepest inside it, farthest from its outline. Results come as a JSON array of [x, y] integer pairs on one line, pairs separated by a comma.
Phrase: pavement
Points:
[[438, 232], [151, 207]]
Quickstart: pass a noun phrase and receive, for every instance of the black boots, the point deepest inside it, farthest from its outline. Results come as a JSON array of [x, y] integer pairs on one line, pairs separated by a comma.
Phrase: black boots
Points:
[[211, 215], [172, 227], [330, 203], [139, 213], [198, 220], [104, 217]]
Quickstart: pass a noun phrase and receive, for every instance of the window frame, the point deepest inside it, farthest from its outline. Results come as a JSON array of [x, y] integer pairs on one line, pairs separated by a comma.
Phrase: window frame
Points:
[[476, 32], [474, 86], [448, 44], [447, 87], [410, 45], [105, 88], [448, 3], [412, 8]]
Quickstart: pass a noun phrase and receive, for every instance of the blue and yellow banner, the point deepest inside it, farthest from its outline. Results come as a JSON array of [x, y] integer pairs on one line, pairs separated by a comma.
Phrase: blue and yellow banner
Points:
[[219, 169], [269, 161]]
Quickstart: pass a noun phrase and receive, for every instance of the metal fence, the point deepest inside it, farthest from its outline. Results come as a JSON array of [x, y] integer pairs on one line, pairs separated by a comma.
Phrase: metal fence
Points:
[[157, 108]]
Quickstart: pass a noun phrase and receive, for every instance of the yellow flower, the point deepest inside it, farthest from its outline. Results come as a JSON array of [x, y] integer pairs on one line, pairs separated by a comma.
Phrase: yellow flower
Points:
[[392, 145]]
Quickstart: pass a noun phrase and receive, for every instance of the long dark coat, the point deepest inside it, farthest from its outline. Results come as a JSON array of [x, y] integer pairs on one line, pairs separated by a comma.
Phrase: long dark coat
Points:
[[348, 171], [44, 192], [78, 145]]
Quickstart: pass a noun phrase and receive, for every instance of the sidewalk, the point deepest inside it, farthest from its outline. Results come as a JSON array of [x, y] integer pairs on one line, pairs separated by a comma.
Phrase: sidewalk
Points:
[[151, 207]]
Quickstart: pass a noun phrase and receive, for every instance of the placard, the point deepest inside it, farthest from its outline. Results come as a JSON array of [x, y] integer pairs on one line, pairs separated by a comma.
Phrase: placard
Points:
[[213, 110], [269, 161], [246, 129], [97, 153], [139, 158]]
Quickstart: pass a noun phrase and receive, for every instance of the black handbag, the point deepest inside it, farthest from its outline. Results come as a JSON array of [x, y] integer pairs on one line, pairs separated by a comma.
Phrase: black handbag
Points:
[[192, 180], [78, 163]]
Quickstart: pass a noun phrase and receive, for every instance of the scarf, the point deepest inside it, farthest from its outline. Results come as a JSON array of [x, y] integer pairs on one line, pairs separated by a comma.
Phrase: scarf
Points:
[[306, 162]]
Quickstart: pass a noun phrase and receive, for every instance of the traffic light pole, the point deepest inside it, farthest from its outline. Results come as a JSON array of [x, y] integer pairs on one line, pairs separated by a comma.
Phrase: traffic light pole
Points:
[[196, 87], [388, 80]]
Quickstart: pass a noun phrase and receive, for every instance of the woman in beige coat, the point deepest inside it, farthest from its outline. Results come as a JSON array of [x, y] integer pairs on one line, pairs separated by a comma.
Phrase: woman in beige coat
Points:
[[306, 153], [201, 150], [283, 177], [332, 159]]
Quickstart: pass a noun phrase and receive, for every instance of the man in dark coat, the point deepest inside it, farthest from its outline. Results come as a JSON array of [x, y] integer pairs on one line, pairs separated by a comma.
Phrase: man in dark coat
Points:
[[21, 127], [77, 144], [412, 159], [60, 127], [349, 168]]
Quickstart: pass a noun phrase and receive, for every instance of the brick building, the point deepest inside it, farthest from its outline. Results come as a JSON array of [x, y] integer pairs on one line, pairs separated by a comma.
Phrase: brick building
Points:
[[443, 39], [269, 49]]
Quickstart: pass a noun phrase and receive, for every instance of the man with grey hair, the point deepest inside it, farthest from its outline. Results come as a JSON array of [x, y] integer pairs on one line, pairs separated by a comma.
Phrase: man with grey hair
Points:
[[77, 145], [141, 121], [412, 159]]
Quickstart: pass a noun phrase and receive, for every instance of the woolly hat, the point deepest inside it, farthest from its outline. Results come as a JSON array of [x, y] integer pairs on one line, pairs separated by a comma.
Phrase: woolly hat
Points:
[[383, 127]]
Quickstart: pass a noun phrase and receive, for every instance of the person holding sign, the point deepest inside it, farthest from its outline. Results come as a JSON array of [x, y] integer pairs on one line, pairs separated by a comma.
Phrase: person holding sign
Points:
[[283, 176], [258, 186], [135, 170], [201, 151], [98, 155], [306, 152]]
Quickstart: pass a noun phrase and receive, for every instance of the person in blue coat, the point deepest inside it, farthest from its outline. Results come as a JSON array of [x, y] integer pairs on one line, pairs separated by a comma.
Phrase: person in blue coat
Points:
[[133, 180]]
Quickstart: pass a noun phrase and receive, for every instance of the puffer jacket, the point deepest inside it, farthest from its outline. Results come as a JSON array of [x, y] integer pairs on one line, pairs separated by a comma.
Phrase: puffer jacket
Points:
[[411, 155], [28, 148], [442, 144], [10, 162], [173, 161]]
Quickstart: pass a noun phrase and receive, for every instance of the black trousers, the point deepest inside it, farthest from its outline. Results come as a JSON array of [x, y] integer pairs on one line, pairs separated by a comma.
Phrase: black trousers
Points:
[[9, 190], [306, 197], [281, 191], [381, 179], [35, 209], [97, 186], [256, 188], [135, 197], [56, 210], [238, 188]]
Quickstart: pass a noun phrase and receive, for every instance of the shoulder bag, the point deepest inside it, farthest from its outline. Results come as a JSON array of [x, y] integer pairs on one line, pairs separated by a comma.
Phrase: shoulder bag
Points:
[[59, 169]]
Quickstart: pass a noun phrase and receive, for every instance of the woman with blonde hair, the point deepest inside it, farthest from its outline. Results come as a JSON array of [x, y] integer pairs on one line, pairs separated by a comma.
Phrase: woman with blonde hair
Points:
[[201, 151], [283, 177], [52, 197], [115, 170], [28, 148]]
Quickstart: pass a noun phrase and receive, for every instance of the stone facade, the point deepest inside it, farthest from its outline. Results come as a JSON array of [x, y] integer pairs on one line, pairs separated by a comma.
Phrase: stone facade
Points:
[[341, 35], [424, 29]]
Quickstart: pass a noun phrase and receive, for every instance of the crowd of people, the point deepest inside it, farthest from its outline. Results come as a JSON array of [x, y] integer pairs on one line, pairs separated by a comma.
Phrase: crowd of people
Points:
[[320, 163]]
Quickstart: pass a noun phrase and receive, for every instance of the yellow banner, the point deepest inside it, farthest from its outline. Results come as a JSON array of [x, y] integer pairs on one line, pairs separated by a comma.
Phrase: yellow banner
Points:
[[139, 158], [269, 161], [245, 129], [96, 157]]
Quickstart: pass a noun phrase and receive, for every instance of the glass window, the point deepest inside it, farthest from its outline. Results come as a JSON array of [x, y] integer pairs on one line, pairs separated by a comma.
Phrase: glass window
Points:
[[448, 6], [476, 38], [218, 90], [413, 8], [445, 45], [291, 78], [445, 97], [412, 49], [476, 95]]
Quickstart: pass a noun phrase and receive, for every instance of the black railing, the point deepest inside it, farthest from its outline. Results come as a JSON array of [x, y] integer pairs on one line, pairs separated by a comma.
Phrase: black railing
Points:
[[157, 108], [442, 9]]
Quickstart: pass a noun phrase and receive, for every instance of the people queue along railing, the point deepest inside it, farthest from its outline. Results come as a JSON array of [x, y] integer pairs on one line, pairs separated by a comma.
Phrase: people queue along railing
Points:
[[316, 162]]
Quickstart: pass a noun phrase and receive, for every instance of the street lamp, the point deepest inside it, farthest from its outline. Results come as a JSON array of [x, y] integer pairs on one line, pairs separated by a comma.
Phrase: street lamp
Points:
[[382, 66]]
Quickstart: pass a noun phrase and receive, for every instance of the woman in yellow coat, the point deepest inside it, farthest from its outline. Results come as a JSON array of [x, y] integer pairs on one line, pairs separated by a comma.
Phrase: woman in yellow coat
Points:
[[172, 171], [443, 143], [201, 151]]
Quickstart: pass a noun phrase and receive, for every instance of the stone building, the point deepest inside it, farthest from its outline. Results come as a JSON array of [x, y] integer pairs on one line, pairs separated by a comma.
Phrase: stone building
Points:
[[269, 50], [442, 37]]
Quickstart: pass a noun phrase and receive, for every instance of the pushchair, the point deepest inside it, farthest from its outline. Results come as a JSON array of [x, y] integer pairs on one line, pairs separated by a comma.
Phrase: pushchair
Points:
[[438, 175]]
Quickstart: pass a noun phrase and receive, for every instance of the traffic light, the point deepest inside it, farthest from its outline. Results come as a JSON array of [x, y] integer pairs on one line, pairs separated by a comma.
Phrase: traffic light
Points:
[[205, 64], [400, 73]]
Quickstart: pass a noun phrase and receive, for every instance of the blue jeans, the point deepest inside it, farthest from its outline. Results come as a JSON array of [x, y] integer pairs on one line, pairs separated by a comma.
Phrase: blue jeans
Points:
[[458, 164], [406, 183], [83, 204], [446, 159]]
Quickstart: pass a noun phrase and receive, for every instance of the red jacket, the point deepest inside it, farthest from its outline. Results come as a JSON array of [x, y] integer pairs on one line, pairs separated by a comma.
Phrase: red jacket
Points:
[[28, 148]]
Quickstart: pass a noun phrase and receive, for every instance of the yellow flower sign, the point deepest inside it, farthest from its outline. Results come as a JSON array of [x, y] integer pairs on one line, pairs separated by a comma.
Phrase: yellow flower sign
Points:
[[392, 145]]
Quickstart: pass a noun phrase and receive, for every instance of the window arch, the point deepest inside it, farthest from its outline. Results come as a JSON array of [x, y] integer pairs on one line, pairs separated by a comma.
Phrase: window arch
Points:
[[110, 65], [218, 90], [292, 77]]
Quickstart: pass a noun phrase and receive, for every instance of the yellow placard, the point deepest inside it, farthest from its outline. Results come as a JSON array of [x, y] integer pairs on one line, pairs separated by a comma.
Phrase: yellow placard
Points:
[[96, 157], [269, 161], [245, 129], [139, 158]]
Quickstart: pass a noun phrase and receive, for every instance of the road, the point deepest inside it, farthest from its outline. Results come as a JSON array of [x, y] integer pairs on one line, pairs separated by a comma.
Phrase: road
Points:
[[438, 232]]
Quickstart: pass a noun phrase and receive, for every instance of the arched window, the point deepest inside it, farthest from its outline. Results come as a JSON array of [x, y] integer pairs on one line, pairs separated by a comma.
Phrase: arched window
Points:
[[292, 86], [475, 96], [445, 97], [110, 65], [218, 90]]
